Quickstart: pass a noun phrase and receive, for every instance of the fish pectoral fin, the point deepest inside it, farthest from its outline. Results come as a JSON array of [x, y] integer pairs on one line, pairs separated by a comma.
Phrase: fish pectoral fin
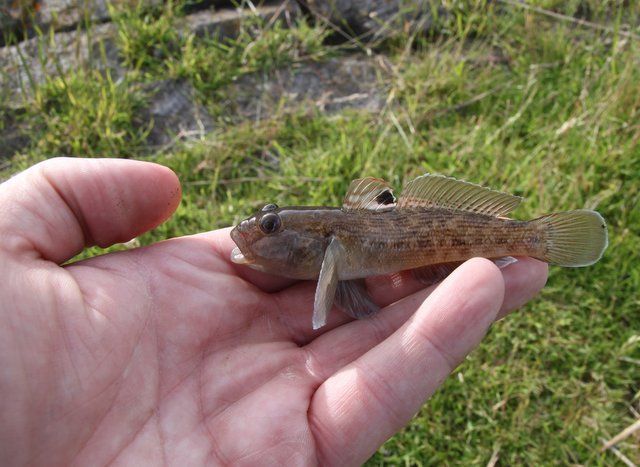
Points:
[[431, 190], [369, 193], [429, 275], [327, 284], [352, 298]]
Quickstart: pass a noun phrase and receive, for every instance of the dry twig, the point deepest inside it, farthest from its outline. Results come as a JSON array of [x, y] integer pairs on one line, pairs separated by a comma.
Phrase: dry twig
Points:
[[628, 431]]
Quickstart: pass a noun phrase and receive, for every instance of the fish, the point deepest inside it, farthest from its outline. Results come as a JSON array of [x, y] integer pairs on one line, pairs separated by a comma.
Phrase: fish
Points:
[[435, 224]]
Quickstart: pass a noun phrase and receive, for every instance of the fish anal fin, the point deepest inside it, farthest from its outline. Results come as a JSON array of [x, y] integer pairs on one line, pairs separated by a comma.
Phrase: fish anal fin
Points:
[[504, 261], [352, 298], [327, 284], [429, 275], [431, 190], [369, 193]]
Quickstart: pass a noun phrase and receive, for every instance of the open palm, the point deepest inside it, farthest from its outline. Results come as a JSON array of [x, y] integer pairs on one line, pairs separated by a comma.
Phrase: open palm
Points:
[[170, 354]]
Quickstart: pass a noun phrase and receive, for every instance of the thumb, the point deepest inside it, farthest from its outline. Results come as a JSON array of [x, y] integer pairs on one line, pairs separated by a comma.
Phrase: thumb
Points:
[[56, 208]]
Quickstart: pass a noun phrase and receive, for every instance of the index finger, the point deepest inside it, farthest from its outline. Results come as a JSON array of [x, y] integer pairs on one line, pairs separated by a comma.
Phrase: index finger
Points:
[[359, 407]]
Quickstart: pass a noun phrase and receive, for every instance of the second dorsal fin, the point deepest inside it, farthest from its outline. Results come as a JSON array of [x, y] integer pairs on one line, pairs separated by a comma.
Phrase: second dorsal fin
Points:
[[369, 193], [439, 191]]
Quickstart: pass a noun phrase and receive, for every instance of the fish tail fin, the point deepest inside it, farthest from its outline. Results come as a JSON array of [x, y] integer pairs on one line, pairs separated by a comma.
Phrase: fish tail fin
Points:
[[574, 238]]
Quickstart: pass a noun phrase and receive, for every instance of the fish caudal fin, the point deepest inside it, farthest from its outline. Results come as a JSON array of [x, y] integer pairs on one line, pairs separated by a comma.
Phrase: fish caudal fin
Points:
[[574, 238]]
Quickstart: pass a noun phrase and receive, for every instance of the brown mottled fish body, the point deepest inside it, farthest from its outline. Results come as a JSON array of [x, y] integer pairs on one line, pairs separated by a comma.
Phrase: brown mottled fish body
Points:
[[437, 223], [383, 242]]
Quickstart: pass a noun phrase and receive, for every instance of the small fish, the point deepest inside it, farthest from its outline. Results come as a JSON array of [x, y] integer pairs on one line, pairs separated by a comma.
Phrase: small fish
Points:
[[437, 223]]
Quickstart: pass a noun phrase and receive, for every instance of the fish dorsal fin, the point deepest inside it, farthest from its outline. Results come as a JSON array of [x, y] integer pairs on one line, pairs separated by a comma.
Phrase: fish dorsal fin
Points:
[[369, 193], [445, 192]]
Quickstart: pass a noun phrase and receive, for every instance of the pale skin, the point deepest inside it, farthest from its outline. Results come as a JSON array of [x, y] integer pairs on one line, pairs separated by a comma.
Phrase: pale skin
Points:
[[172, 355]]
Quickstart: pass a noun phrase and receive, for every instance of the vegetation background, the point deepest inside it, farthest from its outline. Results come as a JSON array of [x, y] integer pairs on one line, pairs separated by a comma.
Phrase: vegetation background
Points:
[[507, 95]]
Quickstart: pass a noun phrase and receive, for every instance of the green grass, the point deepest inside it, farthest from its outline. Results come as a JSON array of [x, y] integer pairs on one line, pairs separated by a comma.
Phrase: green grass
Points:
[[498, 95]]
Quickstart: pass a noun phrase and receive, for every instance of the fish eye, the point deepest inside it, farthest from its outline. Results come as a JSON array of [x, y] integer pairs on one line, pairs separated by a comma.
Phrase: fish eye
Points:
[[270, 223], [269, 207]]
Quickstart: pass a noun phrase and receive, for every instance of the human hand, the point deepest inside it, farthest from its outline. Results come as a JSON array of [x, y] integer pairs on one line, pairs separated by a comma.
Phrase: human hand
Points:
[[171, 354]]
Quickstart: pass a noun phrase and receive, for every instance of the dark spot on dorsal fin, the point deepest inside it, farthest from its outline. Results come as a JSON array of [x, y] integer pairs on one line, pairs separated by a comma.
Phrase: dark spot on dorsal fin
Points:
[[385, 198]]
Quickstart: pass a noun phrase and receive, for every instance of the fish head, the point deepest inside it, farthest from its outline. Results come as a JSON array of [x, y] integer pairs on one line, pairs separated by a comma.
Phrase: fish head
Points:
[[284, 241]]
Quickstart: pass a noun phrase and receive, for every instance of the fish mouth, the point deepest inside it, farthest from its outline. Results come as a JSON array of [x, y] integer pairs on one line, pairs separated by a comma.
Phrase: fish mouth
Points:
[[238, 257], [241, 240]]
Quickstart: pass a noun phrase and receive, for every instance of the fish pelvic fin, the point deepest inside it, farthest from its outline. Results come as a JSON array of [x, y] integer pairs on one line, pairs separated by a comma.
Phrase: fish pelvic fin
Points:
[[574, 238], [327, 284], [352, 298]]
